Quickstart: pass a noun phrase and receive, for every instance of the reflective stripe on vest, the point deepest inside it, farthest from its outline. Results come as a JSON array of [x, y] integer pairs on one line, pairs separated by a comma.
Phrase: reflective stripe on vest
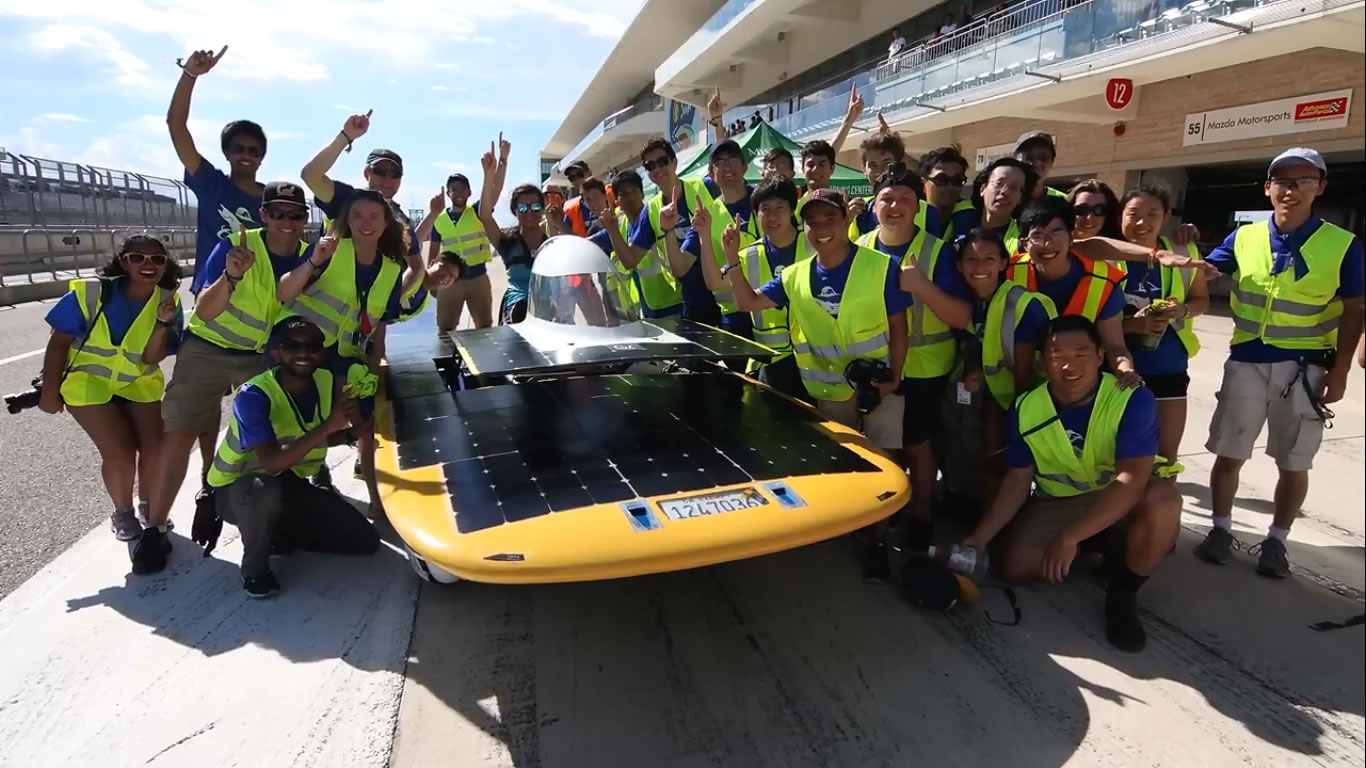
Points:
[[1098, 280], [1060, 469], [1283, 310], [252, 306], [770, 326], [930, 346], [1176, 285], [233, 461], [825, 345], [1007, 305], [100, 369], [922, 214], [464, 238], [333, 304]]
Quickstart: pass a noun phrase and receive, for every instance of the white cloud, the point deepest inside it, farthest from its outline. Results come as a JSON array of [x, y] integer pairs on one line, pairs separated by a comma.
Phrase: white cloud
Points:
[[62, 117], [441, 87], [127, 68]]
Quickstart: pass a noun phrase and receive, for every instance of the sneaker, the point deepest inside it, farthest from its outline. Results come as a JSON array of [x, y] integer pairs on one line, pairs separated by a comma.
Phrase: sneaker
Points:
[[872, 560], [1218, 546], [1123, 628], [1272, 559], [149, 551], [124, 523], [144, 514], [258, 587]]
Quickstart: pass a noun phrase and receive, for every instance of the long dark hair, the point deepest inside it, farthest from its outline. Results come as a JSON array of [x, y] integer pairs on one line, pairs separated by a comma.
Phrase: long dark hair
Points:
[[170, 279], [980, 182], [1112, 205], [393, 241]]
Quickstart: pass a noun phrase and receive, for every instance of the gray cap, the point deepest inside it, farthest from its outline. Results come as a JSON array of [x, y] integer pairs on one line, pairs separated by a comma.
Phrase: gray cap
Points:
[[1037, 137], [1303, 155]]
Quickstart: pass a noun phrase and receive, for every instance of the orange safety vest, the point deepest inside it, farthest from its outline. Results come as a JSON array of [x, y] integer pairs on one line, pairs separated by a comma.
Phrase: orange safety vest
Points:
[[1087, 298], [574, 210]]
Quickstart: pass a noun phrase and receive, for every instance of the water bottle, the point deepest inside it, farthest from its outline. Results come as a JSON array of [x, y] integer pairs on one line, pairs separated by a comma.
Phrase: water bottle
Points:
[[964, 560]]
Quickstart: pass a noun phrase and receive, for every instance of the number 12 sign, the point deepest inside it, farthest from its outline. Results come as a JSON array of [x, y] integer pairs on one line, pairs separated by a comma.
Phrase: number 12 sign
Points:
[[1119, 92]]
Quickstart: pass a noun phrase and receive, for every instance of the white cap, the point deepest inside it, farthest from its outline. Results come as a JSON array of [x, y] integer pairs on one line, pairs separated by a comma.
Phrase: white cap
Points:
[[1303, 155]]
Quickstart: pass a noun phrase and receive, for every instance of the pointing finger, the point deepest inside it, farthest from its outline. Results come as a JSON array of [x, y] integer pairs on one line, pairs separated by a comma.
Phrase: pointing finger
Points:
[[220, 54]]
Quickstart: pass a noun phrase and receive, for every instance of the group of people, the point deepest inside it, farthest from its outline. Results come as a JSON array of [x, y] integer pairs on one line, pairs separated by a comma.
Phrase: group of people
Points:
[[1067, 316]]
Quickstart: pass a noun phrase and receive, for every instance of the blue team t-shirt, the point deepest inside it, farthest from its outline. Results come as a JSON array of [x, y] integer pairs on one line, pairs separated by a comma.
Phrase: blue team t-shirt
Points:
[[1141, 286], [1061, 290], [1137, 435], [471, 270], [946, 274], [693, 284], [120, 313], [251, 409], [222, 210], [827, 286], [1285, 251]]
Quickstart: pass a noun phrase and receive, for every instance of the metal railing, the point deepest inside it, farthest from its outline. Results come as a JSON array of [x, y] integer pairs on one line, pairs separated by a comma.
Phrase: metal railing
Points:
[[31, 255], [1014, 41], [36, 191], [653, 104]]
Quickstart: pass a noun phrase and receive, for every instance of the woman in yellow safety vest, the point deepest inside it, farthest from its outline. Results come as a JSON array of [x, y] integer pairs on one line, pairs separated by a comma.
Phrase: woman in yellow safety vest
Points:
[[997, 193], [1161, 304], [350, 288], [109, 337]]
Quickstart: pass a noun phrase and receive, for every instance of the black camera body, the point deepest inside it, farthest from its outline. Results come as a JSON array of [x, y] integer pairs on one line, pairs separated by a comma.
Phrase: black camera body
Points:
[[22, 401], [864, 376]]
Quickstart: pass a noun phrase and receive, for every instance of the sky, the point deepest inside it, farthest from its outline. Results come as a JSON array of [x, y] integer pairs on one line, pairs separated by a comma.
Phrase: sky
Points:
[[89, 82]]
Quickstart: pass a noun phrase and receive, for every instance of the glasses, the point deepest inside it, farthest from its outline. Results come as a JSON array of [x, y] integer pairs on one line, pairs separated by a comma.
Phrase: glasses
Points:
[[312, 346], [1044, 238], [651, 165], [1099, 209], [1302, 184], [250, 150], [948, 181], [732, 161], [1005, 186], [529, 207], [278, 214], [157, 259], [385, 173]]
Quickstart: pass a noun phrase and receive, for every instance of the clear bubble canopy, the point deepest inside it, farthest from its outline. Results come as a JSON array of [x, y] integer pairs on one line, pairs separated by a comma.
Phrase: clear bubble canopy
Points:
[[574, 283]]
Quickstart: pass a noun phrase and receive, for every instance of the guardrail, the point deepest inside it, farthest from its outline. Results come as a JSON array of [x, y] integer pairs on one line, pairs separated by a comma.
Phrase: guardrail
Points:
[[35, 191], [30, 255]]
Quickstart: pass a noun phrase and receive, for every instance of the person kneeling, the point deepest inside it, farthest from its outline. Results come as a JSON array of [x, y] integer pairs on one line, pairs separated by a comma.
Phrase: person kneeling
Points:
[[281, 424], [1090, 450]]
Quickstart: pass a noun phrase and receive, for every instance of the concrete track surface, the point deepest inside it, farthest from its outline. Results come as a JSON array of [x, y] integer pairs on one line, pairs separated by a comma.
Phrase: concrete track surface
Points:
[[782, 661]]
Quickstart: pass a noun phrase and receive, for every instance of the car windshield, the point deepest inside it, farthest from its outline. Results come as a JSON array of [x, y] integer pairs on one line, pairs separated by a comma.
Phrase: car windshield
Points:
[[577, 285]]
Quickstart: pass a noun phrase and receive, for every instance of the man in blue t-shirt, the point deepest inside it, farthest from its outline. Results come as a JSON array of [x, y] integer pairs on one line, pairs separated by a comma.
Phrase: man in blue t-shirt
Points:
[[629, 192], [225, 201], [1133, 518], [274, 508], [1285, 387]]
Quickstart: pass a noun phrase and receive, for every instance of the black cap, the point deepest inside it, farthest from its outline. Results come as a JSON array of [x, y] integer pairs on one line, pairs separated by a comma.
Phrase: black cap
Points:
[[379, 155], [828, 196], [728, 147], [297, 323], [1037, 137], [460, 177], [283, 193], [578, 165]]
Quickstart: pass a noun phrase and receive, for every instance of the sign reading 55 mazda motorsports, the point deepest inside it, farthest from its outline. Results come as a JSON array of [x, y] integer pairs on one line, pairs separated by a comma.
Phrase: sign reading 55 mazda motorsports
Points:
[[1314, 112]]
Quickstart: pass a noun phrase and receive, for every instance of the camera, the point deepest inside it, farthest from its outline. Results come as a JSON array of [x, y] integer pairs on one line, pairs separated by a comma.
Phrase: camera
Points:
[[22, 401], [864, 376]]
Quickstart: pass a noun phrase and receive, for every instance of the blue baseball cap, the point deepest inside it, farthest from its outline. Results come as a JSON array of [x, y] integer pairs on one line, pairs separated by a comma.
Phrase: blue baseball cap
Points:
[[1302, 155]]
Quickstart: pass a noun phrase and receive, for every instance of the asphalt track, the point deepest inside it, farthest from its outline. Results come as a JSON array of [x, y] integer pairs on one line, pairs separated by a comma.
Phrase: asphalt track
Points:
[[784, 661]]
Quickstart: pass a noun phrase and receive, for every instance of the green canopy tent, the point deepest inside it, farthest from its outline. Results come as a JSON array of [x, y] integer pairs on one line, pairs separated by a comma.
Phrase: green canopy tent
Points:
[[755, 143]]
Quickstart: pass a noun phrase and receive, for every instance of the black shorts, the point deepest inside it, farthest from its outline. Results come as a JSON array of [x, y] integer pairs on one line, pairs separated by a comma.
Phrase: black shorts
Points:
[[1168, 386], [924, 408], [512, 313], [705, 314]]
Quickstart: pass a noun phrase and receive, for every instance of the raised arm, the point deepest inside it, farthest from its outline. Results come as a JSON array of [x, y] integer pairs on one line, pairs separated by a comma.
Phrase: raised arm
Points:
[[314, 172], [294, 283], [237, 259], [495, 169], [714, 109], [746, 298], [1110, 249], [851, 116], [178, 114]]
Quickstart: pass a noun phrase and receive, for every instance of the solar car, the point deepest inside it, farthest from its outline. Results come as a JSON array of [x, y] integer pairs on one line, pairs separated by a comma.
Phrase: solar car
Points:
[[588, 443]]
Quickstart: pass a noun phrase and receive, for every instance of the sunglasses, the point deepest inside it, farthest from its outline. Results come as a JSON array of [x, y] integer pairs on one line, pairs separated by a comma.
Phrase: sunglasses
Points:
[[279, 214], [244, 149], [576, 176], [529, 207], [385, 173], [312, 346], [651, 165], [948, 181], [157, 259], [1099, 209]]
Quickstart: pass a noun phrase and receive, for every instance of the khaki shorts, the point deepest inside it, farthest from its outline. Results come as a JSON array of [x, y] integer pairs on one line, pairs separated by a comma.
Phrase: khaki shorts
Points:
[[882, 426], [1250, 397], [475, 292], [1041, 519], [204, 374]]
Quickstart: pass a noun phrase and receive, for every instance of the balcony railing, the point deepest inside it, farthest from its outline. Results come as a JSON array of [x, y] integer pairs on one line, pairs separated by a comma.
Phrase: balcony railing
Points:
[[1020, 39], [654, 103]]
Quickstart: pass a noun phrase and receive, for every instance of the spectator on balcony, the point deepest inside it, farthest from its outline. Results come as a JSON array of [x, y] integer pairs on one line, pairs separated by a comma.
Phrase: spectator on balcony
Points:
[[944, 213], [226, 201], [755, 121], [1039, 150], [949, 25], [897, 44]]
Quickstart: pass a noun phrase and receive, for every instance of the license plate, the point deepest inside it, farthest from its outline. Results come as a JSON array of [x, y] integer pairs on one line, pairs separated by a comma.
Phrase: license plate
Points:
[[712, 503]]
